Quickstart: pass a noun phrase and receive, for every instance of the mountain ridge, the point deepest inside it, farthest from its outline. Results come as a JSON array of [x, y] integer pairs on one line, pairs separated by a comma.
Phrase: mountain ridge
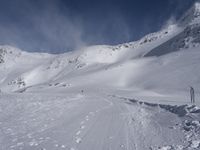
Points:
[[122, 66]]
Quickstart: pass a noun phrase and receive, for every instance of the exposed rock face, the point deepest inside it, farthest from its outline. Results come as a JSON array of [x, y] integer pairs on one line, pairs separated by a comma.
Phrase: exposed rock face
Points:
[[2, 54], [188, 38]]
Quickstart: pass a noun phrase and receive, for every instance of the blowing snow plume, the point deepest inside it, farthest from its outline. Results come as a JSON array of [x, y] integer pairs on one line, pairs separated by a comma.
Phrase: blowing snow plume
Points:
[[100, 97]]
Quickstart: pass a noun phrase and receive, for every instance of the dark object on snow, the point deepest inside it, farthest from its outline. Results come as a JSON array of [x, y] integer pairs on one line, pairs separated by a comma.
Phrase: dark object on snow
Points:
[[192, 96]]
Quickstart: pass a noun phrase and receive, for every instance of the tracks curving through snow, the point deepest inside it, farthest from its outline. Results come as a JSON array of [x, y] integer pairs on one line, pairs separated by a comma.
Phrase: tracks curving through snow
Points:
[[88, 122]]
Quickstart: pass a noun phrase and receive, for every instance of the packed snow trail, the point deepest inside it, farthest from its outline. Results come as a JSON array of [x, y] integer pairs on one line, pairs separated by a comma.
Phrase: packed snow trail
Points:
[[85, 122]]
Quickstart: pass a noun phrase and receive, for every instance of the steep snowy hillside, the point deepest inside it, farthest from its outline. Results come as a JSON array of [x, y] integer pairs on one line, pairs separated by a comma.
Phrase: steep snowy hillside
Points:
[[16, 63], [188, 38], [21, 69], [124, 66], [192, 16], [132, 96]]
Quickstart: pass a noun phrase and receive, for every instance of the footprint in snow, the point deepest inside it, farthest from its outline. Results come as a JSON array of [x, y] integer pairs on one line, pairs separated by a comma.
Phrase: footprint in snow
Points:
[[87, 118], [78, 132], [78, 140], [63, 146], [33, 143], [82, 127]]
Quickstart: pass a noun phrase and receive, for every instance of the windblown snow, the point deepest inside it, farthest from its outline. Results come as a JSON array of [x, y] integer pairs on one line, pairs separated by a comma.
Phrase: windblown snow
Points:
[[132, 96]]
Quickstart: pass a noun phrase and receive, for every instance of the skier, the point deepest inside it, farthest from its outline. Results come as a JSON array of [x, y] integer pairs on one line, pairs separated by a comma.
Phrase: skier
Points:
[[192, 95]]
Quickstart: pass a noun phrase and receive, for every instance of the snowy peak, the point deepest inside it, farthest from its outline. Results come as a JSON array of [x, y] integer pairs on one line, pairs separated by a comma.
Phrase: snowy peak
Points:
[[192, 16], [118, 65], [8, 52], [186, 39], [197, 8], [9, 49]]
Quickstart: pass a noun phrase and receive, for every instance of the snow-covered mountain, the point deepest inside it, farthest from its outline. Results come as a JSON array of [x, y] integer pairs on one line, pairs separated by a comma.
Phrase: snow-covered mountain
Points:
[[187, 38], [191, 16], [132, 96], [160, 62]]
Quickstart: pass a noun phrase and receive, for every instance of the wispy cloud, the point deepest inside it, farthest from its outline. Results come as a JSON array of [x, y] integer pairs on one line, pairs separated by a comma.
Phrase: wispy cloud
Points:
[[53, 26], [41, 26]]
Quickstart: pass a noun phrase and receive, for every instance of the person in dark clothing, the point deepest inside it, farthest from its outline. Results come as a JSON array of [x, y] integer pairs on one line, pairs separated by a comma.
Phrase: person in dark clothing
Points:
[[192, 95]]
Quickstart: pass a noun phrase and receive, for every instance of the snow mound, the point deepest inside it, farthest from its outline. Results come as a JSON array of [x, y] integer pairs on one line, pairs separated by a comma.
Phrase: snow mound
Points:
[[190, 126], [180, 110]]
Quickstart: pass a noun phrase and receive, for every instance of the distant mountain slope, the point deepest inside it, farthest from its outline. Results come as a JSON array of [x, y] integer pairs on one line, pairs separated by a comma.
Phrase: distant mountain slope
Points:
[[188, 38], [192, 16], [125, 66]]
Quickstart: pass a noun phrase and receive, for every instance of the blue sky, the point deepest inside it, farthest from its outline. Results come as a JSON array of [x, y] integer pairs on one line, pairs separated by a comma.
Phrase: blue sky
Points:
[[57, 26]]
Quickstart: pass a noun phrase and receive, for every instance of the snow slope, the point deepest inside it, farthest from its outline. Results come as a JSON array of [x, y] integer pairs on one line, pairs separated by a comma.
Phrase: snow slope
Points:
[[28, 70], [129, 96], [97, 121]]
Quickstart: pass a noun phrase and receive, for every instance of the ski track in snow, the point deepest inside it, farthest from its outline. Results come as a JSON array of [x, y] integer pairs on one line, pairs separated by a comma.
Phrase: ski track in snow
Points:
[[51, 119], [92, 122]]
